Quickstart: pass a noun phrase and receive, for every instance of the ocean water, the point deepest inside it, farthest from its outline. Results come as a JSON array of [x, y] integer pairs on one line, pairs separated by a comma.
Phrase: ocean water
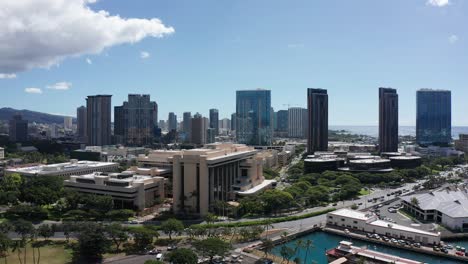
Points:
[[373, 131]]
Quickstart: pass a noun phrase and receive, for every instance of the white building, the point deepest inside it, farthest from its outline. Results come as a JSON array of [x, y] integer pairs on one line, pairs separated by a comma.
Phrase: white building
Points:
[[447, 206], [66, 169], [68, 122], [297, 122], [369, 222], [127, 190]]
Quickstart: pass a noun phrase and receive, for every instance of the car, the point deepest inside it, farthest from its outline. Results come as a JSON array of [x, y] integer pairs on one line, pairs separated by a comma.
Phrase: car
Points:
[[159, 256], [459, 253], [359, 203], [369, 235], [436, 248], [264, 261], [448, 246], [417, 245], [335, 204], [171, 247], [388, 194], [369, 200], [444, 250]]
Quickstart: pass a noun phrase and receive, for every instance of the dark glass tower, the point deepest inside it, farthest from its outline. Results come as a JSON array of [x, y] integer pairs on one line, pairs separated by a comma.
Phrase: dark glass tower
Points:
[[388, 120], [433, 117], [214, 121], [18, 129], [253, 112], [81, 122], [98, 120], [172, 122], [317, 106], [282, 121]]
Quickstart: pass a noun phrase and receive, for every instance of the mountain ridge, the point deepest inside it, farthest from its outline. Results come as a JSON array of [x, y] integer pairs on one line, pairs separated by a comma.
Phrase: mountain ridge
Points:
[[6, 113]]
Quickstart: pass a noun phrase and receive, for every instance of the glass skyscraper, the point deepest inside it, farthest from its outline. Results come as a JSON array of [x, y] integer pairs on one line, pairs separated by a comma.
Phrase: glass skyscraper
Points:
[[253, 113], [433, 117]]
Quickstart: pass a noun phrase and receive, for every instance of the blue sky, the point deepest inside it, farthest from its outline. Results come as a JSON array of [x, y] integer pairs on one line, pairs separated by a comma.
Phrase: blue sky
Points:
[[219, 46]]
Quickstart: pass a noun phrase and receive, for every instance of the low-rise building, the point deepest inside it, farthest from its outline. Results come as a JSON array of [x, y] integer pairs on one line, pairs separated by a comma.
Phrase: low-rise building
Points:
[[128, 190], [269, 157], [447, 206], [369, 222], [74, 167], [462, 143]]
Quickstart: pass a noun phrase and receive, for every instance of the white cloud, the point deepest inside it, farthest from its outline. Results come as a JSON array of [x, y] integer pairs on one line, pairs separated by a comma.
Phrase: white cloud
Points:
[[144, 54], [42, 33], [452, 39], [60, 86], [89, 61], [7, 76], [33, 90], [438, 3]]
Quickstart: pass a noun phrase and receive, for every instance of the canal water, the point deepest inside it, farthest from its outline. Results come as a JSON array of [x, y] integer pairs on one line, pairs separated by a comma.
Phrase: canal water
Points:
[[323, 241]]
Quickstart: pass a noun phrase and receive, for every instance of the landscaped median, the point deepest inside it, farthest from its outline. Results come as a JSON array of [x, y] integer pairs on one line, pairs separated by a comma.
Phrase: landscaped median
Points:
[[266, 221]]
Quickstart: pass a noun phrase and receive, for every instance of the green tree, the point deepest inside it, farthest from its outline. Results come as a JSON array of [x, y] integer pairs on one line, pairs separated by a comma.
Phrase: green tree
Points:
[[287, 253], [5, 245], [23, 211], [276, 200], [267, 246], [117, 234], [211, 247], [415, 201], [151, 261], [172, 226], [182, 256], [142, 239], [45, 231], [92, 243], [24, 229]]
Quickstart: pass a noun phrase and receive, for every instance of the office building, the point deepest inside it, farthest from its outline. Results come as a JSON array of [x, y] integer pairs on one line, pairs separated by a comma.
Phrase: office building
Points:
[[81, 114], [388, 120], [214, 120], [210, 135], [447, 206], [253, 111], [462, 143], [297, 122], [74, 167], [317, 106], [68, 122], [198, 130], [172, 122], [369, 222], [187, 125], [18, 129], [282, 121], [433, 117], [225, 125], [128, 190], [136, 120], [98, 120], [2, 153], [162, 125], [233, 121]]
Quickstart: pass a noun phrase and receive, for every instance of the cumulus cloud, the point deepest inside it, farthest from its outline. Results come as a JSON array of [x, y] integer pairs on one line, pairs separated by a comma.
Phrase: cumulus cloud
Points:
[[453, 38], [60, 86], [89, 61], [7, 76], [32, 90], [438, 3], [144, 54], [42, 33]]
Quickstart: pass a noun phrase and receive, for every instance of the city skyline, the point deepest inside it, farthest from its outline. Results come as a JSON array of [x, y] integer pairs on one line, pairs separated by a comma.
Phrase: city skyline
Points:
[[230, 55]]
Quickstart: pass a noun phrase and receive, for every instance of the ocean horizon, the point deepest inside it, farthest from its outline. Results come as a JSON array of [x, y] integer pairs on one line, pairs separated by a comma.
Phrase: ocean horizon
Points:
[[373, 131]]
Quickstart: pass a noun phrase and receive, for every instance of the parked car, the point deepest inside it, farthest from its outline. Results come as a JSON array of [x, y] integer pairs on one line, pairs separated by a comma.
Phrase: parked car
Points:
[[459, 253]]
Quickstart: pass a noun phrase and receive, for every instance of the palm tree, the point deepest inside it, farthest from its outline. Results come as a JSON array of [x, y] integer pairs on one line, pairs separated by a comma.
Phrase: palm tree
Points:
[[415, 201], [267, 246], [268, 224], [308, 245]]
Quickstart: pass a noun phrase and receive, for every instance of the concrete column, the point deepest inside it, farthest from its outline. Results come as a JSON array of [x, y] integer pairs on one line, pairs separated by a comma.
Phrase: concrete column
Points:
[[204, 192]]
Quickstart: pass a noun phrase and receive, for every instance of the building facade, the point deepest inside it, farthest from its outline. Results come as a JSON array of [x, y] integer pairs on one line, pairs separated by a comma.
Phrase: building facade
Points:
[[253, 113], [187, 126], [81, 115], [388, 120], [136, 120], [98, 120], [317, 106], [214, 120], [172, 122], [282, 121], [18, 129], [198, 130], [462, 143], [297, 122], [67, 169], [433, 117]]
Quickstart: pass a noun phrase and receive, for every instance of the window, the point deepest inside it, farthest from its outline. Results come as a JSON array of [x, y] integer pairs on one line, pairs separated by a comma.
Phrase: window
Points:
[[342, 219], [355, 222]]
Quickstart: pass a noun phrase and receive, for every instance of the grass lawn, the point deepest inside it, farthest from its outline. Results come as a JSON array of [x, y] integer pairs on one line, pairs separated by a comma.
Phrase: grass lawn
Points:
[[364, 192], [50, 254]]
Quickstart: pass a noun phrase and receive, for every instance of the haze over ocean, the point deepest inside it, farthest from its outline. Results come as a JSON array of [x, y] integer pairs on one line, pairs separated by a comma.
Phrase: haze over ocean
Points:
[[373, 131]]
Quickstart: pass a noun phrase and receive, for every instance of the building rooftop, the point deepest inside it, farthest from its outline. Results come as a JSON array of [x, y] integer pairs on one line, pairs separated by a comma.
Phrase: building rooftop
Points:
[[381, 223], [59, 167], [450, 201], [257, 188], [369, 161], [353, 214]]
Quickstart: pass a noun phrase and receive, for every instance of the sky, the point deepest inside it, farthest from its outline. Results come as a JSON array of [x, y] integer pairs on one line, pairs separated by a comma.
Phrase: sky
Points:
[[192, 55]]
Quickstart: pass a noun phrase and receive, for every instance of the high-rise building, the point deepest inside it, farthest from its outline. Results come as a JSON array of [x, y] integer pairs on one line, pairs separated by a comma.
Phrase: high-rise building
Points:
[[187, 125], [253, 110], [98, 120], [136, 120], [198, 130], [214, 120], [388, 120], [172, 122], [225, 124], [81, 122], [297, 122], [233, 121], [68, 122], [119, 125], [282, 121], [433, 117], [210, 135], [18, 129], [162, 125], [317, 106]]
